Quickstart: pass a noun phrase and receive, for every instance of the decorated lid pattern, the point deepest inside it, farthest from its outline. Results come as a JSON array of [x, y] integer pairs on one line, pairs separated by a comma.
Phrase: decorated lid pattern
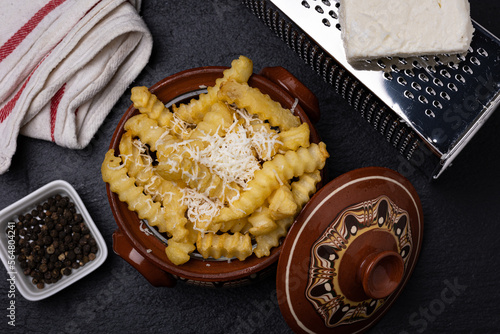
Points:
[[323, 290]]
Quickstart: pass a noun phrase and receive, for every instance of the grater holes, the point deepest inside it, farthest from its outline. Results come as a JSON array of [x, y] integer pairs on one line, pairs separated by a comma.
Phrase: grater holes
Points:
[[337, 5], [461, 57], [409, 73], [437, 82], [452, 65], [337, 26], [306, 4], [475, 61], [482, 52], [437, 104], [460, 78], [333, 15], [452, 87], [402, 81], [429, 113], [381, 64], [326, 22], [319, 9], [438, 60], [394, 68], [467, 69], [409, 94], [326, 3], [423, 99], [403, 61], [445, 73], [416, 64], [430, 91], [445, 96], [431, 69], [416, 86], [387, 76], [423, 77]]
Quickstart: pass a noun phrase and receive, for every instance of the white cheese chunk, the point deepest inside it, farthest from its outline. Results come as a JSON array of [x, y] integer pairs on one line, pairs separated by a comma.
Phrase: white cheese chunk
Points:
[[374, 29]]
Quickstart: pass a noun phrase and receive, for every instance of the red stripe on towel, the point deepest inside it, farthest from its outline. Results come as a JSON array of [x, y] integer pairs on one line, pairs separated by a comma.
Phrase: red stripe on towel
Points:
[[9, 106], [7, 109], [27, 28], [54, 104]]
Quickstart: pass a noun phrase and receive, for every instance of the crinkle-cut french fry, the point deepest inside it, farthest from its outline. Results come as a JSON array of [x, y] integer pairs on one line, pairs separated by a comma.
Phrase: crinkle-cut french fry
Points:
[[228, 245], [161, 190], [265, 148], [115, 174], [148, 103], [274, 173], [257, 103], [294, 138], [304, 187], [158, 139], [145, 128], [261, 221], [235, 225], [281, 203], [181, 166], [272, 239], [240, 71], [302, 190], [178, 251], [216, 121]]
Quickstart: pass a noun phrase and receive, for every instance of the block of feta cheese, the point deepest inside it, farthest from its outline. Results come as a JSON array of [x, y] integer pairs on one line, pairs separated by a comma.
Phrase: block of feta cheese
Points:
[[374, 29]]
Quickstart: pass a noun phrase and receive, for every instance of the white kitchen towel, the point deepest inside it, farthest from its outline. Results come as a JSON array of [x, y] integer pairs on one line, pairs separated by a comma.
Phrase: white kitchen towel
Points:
[[63, 65]]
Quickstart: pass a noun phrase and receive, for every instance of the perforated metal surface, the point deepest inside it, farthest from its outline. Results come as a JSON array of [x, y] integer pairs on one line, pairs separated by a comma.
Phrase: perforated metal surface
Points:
[[431, 105]]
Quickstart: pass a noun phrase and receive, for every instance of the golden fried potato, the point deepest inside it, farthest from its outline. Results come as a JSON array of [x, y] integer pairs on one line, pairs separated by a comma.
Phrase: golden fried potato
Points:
[[224, 175], [255, 102]]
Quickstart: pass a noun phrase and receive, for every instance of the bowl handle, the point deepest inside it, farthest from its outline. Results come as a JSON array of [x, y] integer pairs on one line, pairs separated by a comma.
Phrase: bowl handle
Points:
[[153, 274], [308, 101]]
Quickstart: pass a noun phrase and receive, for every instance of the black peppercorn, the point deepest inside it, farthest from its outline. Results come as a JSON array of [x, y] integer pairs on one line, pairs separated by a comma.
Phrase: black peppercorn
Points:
[[53, 234], [47, 240], [43, 267], [55, 273], [71, 255], [51, 240]]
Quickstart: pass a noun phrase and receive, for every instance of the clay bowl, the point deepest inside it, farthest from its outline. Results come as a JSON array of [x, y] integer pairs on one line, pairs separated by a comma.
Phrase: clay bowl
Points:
[[147, 252]]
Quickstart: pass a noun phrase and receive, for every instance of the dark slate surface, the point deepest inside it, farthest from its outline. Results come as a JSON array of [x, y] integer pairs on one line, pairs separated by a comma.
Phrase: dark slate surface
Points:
[[462, 220]]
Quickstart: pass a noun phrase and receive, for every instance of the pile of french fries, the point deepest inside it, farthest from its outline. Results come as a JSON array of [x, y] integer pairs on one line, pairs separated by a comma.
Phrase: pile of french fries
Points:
[[223, 175]]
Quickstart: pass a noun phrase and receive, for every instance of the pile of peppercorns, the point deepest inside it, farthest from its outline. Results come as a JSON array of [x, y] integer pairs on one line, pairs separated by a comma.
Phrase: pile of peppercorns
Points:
[[53, 240]]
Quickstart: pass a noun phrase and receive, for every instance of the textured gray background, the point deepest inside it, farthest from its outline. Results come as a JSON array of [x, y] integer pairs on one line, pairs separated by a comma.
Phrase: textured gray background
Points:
[[461, 209]]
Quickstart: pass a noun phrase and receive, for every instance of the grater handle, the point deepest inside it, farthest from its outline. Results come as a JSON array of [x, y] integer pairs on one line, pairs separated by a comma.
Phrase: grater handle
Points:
[[153, 274], [308, 101]]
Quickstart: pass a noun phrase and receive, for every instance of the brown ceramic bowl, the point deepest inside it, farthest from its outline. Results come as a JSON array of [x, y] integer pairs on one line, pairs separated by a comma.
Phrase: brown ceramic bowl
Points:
[[147, 252]]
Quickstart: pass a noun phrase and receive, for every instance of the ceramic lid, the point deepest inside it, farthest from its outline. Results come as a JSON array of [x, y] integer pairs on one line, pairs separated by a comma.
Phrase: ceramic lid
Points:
[[350, 252]]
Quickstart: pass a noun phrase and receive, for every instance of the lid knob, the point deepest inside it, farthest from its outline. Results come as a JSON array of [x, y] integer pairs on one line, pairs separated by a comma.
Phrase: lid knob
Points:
[[380, 273], [371, 266]]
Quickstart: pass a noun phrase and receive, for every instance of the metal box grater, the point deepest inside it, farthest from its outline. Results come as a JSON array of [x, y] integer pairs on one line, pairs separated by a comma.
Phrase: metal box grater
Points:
[[427, 107]]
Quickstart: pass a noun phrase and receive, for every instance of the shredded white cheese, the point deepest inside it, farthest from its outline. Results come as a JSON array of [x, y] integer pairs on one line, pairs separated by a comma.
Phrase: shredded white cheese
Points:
[[200, 208], [144, 229], [233, 155]]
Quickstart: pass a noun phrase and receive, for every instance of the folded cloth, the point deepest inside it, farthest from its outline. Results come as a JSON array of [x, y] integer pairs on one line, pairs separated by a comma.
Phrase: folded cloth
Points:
[[63, 65]]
